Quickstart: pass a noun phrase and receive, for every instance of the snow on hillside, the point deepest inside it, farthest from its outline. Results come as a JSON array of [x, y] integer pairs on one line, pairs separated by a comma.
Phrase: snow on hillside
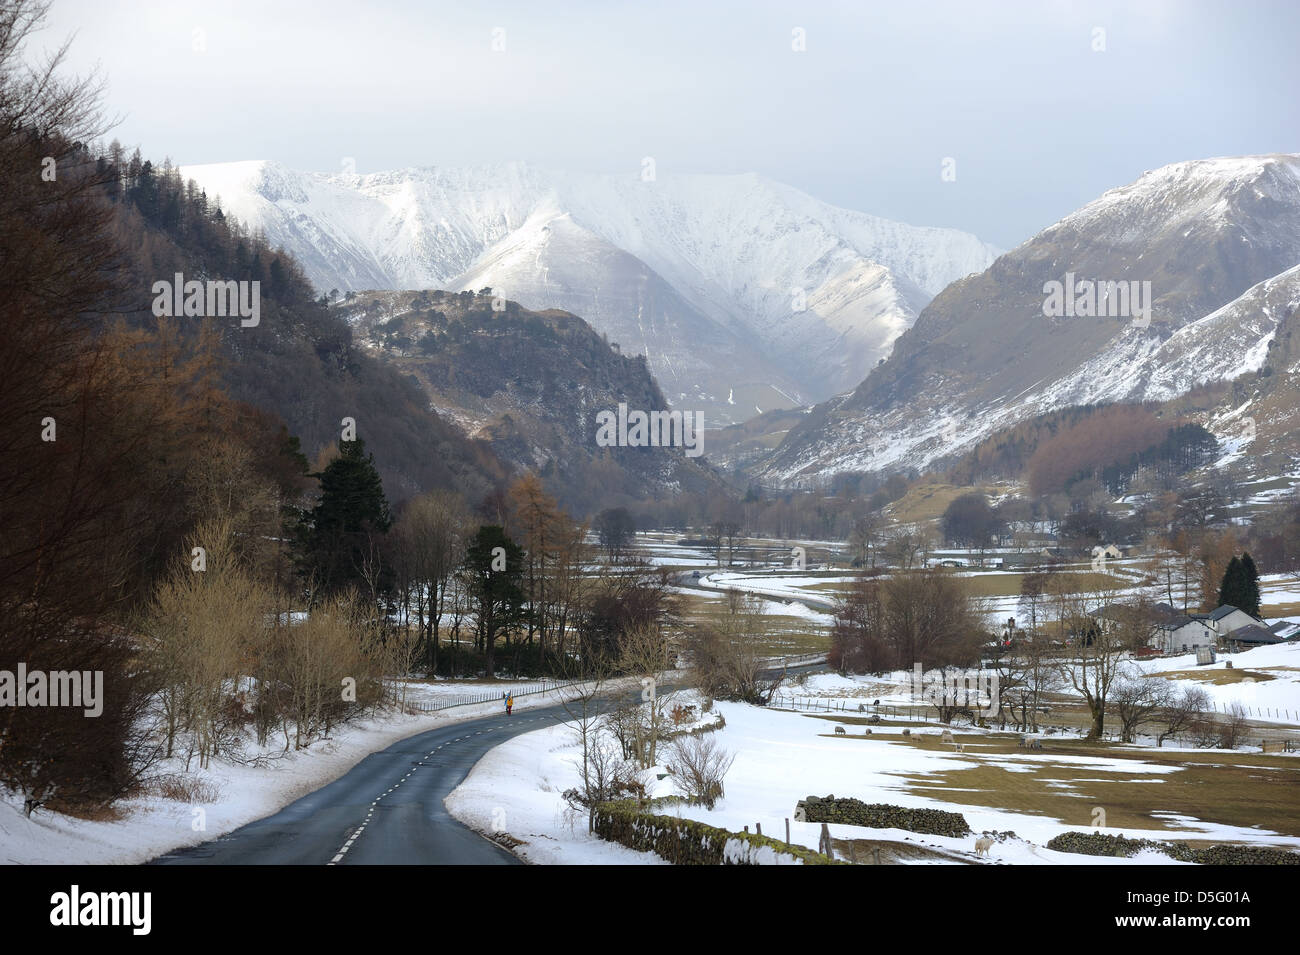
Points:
[[1184, 193], [1134, 366], [821, 289], [1207, 230]]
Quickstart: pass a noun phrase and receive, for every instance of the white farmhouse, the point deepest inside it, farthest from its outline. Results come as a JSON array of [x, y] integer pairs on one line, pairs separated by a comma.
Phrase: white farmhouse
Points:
[[1182, 634], [1227, 620]]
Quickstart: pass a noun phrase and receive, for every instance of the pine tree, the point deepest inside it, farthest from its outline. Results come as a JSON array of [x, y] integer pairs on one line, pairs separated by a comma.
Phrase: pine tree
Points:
[[1251, 592], [1233, 591], [340, 544]]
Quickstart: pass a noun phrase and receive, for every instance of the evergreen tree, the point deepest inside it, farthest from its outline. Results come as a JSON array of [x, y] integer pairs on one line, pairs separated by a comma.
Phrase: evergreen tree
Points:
[[1234, 590], [493, 574], [340, 546], [1251, 606]]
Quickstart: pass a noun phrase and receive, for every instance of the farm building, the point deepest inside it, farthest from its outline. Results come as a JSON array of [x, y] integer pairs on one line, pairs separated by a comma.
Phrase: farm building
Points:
[[1181, 633]]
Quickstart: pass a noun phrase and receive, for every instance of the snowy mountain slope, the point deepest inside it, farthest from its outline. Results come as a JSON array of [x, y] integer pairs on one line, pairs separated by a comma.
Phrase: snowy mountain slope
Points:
[[785, 294], [1219, 242], [697, 361]]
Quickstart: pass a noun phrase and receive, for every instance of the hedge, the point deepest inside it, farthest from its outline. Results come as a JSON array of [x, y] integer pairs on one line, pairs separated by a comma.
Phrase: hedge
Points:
[[1101, 844], [688, 842], [854, 812]]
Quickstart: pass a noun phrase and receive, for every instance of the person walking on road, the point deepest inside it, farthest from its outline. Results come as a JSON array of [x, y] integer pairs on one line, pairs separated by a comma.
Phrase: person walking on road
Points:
[[510, 703]]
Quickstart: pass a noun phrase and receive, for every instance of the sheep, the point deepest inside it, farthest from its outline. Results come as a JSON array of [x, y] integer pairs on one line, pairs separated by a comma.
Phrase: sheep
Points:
[[907, 732], [958, 747], [983, 844], [839, 731], [947, 736], [1035, 744]]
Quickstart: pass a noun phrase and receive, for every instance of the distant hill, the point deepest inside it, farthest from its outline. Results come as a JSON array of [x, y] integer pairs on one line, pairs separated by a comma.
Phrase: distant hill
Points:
[[529, 385], [1215, 242], [745, 295], [300, 362]]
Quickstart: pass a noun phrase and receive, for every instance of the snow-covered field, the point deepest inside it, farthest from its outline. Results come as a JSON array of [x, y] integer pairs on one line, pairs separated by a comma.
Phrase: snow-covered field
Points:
[[1273, 695], [782, 757]]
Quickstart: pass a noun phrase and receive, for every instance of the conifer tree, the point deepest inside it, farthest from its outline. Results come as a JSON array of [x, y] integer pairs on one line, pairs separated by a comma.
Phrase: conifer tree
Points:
[[1233, 591], [340, 544], [1251, 591]]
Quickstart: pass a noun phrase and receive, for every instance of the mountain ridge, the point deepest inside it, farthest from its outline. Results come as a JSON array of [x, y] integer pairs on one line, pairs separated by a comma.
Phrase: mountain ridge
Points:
[[790, 298], [1217, 239]]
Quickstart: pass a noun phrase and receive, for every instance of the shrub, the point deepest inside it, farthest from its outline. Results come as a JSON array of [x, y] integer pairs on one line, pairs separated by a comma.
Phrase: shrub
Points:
[[854, 812], [1101, 844], [700, 765]]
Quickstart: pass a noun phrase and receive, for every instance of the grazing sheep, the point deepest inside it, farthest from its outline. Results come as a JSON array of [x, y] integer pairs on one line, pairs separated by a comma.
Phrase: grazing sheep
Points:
[[867, 731], [839, 731], [959, 747], [947, 736], [1035, 744], [983, 844], [907, 732], [1024, 740]]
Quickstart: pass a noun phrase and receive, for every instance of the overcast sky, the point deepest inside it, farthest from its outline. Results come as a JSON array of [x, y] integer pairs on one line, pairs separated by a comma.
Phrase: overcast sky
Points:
[[1037, 121]]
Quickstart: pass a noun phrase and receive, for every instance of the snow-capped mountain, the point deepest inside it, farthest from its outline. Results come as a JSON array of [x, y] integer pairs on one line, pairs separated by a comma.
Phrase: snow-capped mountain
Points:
[[744, 294], [1217, 240]]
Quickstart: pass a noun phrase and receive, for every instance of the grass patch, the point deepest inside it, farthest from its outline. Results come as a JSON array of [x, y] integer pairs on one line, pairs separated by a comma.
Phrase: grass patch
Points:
[[1008, 585], [927, 502], [1215, 786], [1217, 677], [1291, 609], [785, 635]]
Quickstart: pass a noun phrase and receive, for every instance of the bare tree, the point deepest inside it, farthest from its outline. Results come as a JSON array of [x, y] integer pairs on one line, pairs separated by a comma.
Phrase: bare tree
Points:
[[1182, 710], [431, 537], [1232, 728], [700, 764], [645, 654], [1138, 701], [584, 718], [1094, 659], [727, 655]]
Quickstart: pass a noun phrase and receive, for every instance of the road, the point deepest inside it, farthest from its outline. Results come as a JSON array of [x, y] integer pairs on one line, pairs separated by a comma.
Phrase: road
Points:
[[386, 810], [820, 604]]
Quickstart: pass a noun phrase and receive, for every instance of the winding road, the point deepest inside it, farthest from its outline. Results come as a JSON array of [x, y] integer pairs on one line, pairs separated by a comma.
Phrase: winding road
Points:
[[386, 810]]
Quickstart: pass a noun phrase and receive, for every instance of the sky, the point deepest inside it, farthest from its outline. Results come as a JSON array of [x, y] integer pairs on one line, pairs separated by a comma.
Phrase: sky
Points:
[[997, 118]]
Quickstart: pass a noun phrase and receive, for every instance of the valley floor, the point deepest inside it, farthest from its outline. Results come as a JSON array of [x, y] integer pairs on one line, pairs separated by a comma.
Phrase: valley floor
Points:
[[1172, 793]]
